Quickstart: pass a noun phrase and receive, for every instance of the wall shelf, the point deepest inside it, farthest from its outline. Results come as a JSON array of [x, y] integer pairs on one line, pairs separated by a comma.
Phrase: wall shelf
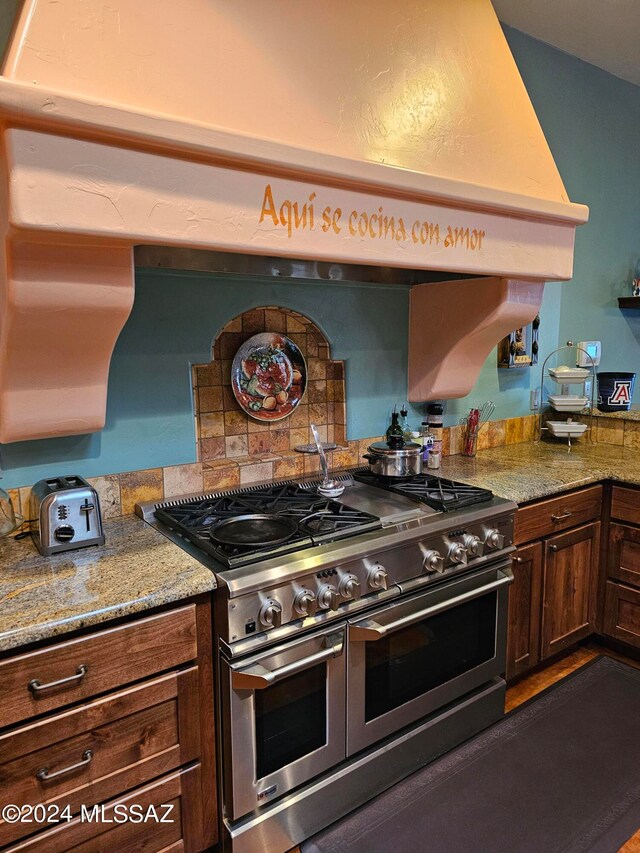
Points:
[[629, 301]]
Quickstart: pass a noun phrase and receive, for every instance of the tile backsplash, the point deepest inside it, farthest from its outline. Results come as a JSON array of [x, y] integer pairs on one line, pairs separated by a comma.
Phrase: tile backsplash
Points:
[[120, 492], [226, 434]]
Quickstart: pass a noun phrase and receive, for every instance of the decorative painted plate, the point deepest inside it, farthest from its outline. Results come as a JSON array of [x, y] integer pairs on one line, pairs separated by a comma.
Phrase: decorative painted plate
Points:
[[268, 376]]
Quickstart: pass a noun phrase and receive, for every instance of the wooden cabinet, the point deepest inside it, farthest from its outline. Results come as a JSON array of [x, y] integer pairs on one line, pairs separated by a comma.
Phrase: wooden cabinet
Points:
[[552, 601], [621, 584], [622, 613], [624, 554], [545, 518], [569, 588], [137, 717], [625, 504], [177, 827], [71, 670], [523, 638]]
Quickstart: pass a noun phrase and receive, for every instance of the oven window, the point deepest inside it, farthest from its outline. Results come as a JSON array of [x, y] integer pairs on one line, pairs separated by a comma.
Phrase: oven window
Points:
[[291, 719], [414, 660]]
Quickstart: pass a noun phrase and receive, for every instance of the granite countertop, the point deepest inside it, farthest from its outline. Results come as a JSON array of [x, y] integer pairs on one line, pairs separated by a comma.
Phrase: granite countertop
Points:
[[526, 472], [138, 568], [632, 415]]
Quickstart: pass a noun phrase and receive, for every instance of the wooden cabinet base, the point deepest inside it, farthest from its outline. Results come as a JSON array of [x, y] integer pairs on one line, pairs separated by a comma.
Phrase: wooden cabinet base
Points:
[[153, 818], [622, 613], [97, 741]]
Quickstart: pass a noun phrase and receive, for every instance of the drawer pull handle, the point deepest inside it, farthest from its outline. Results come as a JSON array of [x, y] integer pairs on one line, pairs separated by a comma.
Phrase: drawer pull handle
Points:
[[44, 775], [562, 516], [36, 687], [553, 548], [518, 560]]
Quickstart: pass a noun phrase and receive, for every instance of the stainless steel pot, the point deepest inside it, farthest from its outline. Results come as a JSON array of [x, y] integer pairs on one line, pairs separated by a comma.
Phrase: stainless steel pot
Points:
[[388, 462]]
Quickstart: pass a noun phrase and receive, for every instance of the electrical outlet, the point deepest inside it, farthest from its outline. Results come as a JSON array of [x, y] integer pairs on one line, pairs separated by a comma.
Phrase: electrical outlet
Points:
[[534, 401], [588, 385]]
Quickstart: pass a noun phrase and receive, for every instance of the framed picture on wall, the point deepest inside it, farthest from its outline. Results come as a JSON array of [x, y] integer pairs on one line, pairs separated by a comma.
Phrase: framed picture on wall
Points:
[[520, 347]]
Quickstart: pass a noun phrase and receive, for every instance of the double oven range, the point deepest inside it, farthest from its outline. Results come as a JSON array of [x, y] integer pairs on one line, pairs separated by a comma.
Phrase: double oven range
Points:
[[358, 638]]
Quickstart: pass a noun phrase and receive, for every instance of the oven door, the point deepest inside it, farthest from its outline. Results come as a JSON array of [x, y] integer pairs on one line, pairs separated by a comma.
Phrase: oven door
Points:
[[412, 657], [284, 718]]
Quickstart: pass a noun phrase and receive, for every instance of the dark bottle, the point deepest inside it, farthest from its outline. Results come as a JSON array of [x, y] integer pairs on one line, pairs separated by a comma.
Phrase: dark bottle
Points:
[[395, 435]]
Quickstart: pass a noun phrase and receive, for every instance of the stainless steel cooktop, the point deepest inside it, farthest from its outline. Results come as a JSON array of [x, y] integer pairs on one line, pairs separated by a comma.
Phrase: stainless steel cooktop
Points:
[[395, 544]]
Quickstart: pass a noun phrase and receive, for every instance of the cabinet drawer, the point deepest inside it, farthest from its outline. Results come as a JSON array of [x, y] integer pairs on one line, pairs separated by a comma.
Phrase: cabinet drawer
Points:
[[622, 613], [89, 754], [47, 679], [625, 504], [179, 829], [556, 514]]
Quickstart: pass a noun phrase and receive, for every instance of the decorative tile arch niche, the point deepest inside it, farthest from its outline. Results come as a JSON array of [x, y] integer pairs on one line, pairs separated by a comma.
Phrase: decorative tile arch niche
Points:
[[228, 439]]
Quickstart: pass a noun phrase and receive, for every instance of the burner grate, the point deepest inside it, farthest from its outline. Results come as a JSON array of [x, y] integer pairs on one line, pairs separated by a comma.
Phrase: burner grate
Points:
[[318, 519], [437, 492]]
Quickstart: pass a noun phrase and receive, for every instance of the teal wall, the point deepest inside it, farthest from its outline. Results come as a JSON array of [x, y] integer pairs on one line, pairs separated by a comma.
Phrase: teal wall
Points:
[[591, 120], [592, 124]]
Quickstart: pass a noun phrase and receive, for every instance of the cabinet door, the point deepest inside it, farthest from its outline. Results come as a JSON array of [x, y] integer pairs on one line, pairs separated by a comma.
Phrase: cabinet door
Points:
[[569, 588], [523, 638], [622, 613], [624, 554]]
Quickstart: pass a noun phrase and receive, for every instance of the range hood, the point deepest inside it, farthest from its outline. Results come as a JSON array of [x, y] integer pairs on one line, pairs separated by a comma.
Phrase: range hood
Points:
[[376, 133]]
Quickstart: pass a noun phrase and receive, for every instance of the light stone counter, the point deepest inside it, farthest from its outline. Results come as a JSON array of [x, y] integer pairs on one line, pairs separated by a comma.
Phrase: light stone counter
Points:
[[138, 568], [526, 472]]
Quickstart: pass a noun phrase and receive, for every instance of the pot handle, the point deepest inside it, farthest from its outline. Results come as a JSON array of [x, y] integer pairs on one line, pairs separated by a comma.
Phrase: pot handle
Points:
[[369, 456]]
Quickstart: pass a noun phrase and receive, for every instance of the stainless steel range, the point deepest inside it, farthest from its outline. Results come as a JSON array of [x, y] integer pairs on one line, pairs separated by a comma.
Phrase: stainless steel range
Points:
[[358, 638]]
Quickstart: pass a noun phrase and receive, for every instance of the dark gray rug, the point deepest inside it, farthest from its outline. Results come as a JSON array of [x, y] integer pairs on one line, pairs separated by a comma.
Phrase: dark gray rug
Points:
[[560, 773]]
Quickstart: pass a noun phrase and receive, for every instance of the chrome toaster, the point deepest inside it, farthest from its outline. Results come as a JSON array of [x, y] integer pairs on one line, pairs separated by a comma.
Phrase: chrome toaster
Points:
[[65, 514]]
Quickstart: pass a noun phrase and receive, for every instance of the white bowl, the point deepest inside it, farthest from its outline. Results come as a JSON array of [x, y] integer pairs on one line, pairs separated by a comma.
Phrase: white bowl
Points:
[[566, 429], [568, 402], [568, 375]]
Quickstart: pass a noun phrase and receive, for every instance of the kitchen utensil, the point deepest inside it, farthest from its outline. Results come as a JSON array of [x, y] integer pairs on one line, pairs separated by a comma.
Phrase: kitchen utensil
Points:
[[65, 513], [568, 402], [471, 437], [395, 462], [254, 529], [328, 487]]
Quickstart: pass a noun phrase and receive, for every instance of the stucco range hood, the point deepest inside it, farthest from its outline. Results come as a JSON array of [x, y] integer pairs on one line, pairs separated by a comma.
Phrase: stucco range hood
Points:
[[398, 135]]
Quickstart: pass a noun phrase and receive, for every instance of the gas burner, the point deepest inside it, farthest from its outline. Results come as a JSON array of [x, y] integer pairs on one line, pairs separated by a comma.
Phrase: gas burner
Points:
[[306, 519], [437, 492]]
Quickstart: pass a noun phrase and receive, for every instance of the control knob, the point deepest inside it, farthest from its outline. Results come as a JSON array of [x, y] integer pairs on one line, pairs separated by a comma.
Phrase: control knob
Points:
[[303, 601], [377, 577], [328, 598], [349, 586], [494, 539], [457, 553], [473, 545], [64, 533], [271, 614], [433, 562]]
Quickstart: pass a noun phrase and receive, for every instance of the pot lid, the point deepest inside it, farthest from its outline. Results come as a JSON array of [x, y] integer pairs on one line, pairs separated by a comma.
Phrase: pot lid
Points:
[[410, 448]]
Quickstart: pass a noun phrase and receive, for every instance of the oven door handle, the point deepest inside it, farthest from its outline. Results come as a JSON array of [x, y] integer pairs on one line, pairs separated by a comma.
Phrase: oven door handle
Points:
[[257, 677], [369, 629]]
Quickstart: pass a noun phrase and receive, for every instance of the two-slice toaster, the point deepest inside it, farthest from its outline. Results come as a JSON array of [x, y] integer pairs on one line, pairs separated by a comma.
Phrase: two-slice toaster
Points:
[[65, 514]]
